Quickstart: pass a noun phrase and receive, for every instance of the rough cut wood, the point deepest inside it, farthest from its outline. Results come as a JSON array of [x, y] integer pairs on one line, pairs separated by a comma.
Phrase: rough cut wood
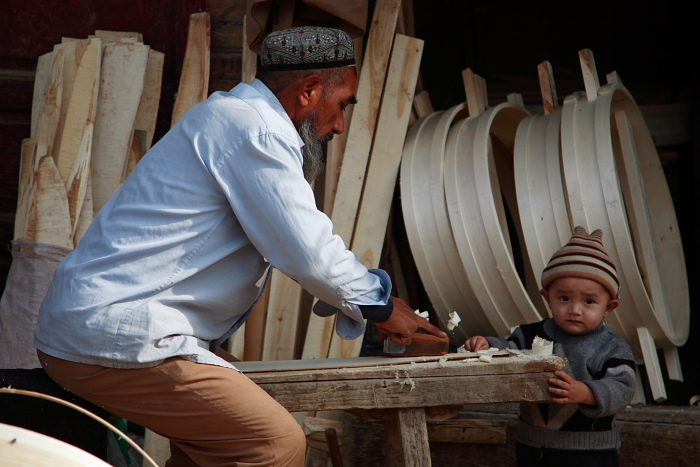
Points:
[[49, 216], [194, 77], [25, 185], [282, 317], [43, 69], [383, 168], [356, 155], [123, 71], [147, 113]]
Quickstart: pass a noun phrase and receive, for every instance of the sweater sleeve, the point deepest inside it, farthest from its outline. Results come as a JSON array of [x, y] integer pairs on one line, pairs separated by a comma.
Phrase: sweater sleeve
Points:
[[614, 384]]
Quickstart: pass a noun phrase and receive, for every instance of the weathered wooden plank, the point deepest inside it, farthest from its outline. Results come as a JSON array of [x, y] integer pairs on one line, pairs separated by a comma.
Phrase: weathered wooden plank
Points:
[[382, 172], [401, 392], [26, 173], [194, 77], [147, 113], [282, 317], [49, 216], [121, 86], [356, 155], [43, 69]]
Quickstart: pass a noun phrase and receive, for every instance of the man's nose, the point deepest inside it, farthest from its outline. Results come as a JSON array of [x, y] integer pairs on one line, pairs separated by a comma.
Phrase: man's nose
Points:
[[339, 126]]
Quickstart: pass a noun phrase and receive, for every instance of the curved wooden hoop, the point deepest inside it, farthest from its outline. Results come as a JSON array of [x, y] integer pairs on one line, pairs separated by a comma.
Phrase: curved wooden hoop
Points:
[[653, 252], [540, 189], [475, 211], [587, 204]]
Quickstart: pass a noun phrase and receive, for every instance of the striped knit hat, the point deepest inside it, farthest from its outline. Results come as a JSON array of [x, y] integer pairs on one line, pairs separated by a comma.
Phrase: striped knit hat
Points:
[[584, 256]]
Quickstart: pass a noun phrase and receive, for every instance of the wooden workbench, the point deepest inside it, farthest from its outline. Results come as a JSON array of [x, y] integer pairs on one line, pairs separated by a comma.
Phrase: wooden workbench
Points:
[[401, 389]]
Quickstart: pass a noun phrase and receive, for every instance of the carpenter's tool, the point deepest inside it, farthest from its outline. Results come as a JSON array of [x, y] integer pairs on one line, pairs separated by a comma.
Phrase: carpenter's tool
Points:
[[422, 345]]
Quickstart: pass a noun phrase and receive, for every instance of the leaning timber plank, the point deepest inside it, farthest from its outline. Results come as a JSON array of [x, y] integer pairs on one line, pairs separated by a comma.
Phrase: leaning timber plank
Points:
[[547, 87], [49, 218], [651, 362], [194, 78], [86, 213], [49, 116], [335, 150], [382, 172], [147, 113], [26, 173], [74, 153], [73, 50], [282, 313], [364, 121], [121, 86], [43, 69], [356, 155], [77, 183], [255, 327]]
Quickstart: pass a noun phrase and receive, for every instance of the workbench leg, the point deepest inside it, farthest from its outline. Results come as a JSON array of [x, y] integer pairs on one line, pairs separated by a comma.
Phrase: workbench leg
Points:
[[407, 439]]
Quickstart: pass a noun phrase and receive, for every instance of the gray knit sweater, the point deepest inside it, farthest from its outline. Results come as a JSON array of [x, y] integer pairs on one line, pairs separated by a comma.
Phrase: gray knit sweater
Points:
[[601, 359]]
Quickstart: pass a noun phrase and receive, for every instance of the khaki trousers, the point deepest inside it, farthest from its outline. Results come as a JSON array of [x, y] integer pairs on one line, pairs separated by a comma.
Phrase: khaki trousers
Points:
[[213, 416]]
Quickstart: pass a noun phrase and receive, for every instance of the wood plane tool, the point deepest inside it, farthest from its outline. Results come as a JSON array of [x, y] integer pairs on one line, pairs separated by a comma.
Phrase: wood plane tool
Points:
[[422, 345]]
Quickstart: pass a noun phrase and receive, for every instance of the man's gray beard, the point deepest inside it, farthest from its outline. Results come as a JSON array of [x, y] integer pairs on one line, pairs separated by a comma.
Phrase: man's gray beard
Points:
[[314, 159]]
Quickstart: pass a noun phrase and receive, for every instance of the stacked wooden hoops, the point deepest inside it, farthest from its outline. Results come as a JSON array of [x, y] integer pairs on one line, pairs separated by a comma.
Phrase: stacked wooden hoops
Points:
[[489, 196]]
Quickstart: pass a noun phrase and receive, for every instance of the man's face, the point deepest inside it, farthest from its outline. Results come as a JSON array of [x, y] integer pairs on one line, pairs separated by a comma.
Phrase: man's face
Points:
[[330, 110], [578, 305]]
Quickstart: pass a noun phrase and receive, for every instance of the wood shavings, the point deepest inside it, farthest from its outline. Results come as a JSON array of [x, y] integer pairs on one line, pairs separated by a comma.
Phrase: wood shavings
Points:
[[486, 358], [453, 321], [542, 346]]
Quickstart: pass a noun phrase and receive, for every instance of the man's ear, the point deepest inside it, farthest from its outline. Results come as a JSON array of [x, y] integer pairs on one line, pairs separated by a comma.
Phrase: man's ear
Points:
[[310, 91]]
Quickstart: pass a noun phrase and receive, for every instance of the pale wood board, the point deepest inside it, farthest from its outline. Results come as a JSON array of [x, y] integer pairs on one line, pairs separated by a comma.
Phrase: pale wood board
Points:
[[26, 173], [121, 86], [75, 149], [282, 317], [652, 365], [194, 77], [147, 113], [86, 213], [360, 134], [43, 69], [249, 65], [49, 117], [49, 217], [383, 168]]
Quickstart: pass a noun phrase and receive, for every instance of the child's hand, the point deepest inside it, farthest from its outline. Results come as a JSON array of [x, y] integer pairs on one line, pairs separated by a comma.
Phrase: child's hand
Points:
[[567, 390], [475, 343]]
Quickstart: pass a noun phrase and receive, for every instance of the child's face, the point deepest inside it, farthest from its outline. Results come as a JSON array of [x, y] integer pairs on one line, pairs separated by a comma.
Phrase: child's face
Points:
[[578, 305]]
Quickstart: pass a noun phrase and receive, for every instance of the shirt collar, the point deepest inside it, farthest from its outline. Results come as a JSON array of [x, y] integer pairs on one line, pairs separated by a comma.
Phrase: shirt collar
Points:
[[274, 103]]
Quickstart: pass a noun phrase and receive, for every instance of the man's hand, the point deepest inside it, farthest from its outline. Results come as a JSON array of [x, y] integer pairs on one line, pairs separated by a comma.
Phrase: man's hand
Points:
[[567, 390], [475, 343], [403, 324]]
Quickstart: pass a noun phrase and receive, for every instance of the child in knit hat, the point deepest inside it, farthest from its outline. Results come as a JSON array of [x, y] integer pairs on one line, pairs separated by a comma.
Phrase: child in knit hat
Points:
[[578, 427]]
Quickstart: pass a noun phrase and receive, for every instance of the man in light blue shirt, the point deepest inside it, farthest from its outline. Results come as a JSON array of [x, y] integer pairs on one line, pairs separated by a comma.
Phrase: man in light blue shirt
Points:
[[174, 262]]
